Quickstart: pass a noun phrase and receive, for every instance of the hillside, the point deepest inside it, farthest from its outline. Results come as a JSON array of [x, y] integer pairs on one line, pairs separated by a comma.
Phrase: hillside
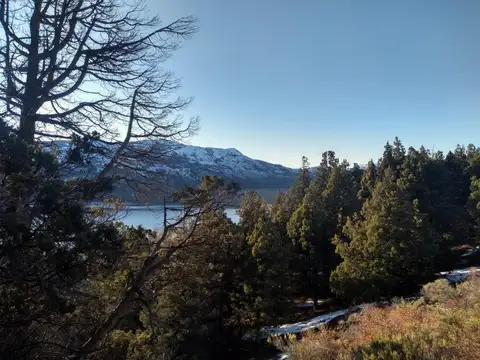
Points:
[[178, 164], [189, 163]]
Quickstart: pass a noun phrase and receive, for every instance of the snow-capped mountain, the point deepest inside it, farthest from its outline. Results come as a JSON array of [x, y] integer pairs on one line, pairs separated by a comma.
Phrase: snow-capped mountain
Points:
[[179, 164], [190, 163]]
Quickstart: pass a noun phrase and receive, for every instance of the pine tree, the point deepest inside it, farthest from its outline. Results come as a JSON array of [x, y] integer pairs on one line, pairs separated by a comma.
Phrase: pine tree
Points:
[[252, 207], [447, 182], [393, 157], [473, 204], [367, 182], [269, 286], [340, 196], [387, 249], [265, 253], [357, 173], [299, 188], [458, 184], [330, 198], [279, 210], [306, 229], [413, 176], [386, 161], [398, 151]]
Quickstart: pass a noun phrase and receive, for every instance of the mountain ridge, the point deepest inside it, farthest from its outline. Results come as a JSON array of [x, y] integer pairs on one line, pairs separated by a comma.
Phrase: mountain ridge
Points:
[[181, 164]]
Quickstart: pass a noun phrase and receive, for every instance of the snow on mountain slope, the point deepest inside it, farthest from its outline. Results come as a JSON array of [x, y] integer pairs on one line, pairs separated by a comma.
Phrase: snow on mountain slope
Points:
[[186, 164], [188, 160]]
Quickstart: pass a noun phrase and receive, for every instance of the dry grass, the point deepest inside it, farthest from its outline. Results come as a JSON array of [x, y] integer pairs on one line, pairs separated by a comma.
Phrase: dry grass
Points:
[[444, 324]]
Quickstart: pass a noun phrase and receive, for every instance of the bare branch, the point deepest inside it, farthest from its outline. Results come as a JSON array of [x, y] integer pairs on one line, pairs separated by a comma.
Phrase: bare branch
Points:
[[78, 67], [210, 196]]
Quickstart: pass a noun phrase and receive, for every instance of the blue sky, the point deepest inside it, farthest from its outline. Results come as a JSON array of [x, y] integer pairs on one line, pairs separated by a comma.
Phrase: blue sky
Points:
[[279, 79]]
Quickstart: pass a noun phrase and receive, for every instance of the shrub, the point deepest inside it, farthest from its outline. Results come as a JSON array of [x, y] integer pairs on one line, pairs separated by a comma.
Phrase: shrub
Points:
[[445, 326], [438, 291], [316, 347]]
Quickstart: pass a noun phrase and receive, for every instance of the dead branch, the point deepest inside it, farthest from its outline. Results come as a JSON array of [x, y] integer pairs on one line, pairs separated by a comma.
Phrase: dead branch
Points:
[[210, 196], [79, 67]]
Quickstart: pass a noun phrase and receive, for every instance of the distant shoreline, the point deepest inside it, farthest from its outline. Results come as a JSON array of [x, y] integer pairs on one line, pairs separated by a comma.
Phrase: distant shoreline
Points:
[[160, 206], [268, 194], [153, 206]]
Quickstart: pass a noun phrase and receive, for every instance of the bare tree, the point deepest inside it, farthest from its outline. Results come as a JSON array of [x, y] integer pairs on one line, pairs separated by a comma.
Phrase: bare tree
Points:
[[93, 69]]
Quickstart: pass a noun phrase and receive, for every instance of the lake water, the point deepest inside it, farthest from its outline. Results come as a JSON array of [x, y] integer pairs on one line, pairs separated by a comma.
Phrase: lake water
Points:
[[152, 217]]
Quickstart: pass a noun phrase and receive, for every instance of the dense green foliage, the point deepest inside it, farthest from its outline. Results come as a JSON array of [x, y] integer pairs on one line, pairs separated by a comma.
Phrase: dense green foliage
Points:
[[50, 245], [67, 269], [75, 284], [71, 278], [390, 247], [383, 230]]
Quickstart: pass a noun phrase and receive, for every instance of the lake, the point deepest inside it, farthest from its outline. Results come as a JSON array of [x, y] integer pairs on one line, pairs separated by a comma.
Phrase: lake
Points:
[[152, 217]]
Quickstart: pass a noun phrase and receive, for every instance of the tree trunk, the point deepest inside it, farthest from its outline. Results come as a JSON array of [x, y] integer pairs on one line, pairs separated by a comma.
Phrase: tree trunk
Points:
[[27, 125], [31, 100]]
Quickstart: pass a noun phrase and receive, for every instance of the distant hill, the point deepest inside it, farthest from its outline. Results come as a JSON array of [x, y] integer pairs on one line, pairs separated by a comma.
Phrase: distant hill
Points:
[[185, 164]]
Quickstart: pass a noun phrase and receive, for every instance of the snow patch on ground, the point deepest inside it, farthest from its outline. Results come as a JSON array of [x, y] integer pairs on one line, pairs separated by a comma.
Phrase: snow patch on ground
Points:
[[453, 277], [306, 304], [302, 326], [471, 251], [459, 275]]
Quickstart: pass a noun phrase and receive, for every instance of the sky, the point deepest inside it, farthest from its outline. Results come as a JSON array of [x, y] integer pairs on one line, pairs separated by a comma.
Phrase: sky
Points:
[[282, 79]]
